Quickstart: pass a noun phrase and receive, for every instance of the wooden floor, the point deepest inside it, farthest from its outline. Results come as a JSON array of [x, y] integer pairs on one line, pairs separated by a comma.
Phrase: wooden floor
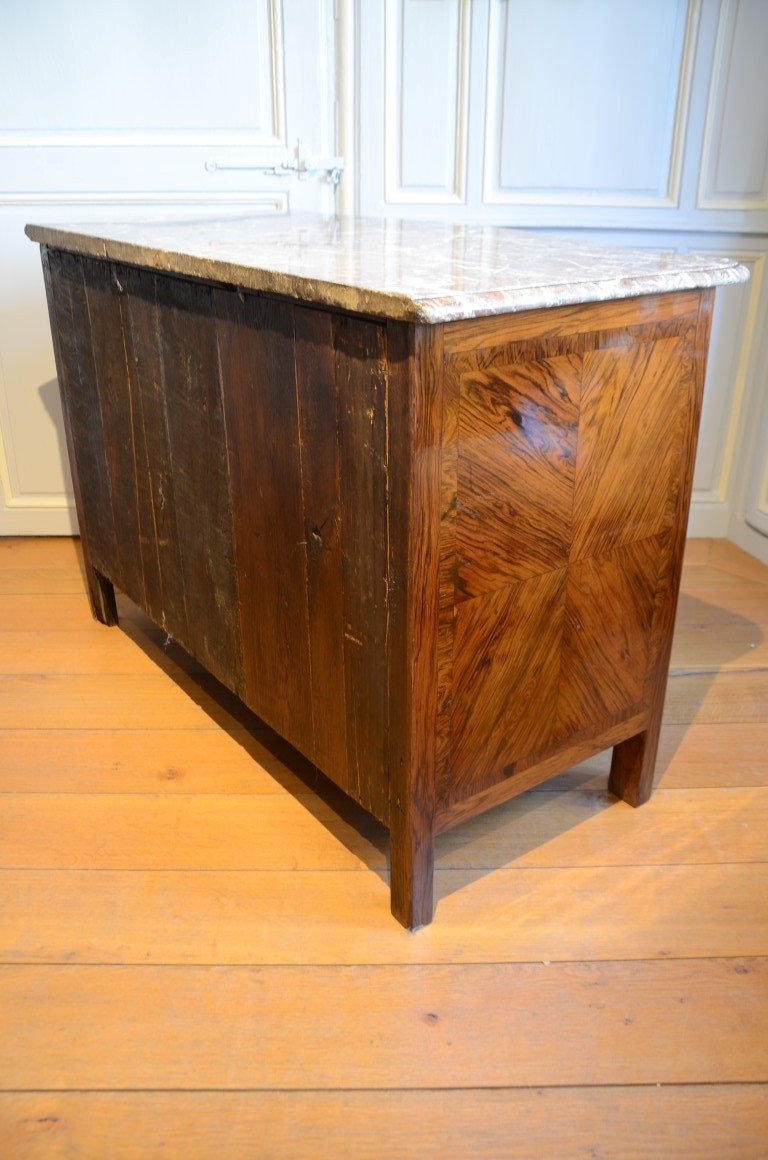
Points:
[[198, 958]]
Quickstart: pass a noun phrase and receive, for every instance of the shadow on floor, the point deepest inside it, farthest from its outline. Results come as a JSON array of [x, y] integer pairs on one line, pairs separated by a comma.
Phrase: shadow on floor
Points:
[[475, 848]]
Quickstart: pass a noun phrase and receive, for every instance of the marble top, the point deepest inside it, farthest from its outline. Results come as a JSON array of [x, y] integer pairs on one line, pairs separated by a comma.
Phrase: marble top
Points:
[[415, 270]]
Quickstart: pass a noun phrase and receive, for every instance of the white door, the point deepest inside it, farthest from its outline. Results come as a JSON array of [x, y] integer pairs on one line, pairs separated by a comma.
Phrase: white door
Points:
[[642, 122], [114, 110]]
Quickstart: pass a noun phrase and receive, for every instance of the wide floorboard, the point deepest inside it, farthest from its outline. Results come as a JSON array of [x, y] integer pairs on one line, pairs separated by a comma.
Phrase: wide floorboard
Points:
[[197, 957]]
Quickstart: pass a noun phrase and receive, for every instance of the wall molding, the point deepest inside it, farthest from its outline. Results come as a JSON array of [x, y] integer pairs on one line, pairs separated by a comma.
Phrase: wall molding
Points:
[[706, 197], [669, 198], [394, 192], [720, 488], [138, 138], [277, 199]]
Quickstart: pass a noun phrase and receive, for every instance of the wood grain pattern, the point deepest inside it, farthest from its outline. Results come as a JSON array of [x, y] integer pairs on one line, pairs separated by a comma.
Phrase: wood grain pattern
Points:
[[543, 1015], [159, 546], [606, 641], [558, 421], [517, 457], [416, 442], [199, 473], [361, 383], [576, 913], [321, 502], [680, 1121], [506, 670], [479, 334], [628, 420], [255, 339], [82, 415], [632, 768]]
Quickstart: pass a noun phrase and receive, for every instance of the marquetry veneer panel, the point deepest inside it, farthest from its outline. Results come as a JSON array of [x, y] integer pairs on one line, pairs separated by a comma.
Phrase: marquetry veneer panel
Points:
[[560, 484]]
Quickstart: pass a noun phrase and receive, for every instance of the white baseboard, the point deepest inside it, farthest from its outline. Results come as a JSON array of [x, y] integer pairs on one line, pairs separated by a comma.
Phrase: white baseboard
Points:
[[708, 520], [745, 537], [24, 521]]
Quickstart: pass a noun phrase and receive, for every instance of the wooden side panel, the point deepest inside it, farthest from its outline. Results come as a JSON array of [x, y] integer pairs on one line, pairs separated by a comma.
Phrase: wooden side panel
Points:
[[568, 444]]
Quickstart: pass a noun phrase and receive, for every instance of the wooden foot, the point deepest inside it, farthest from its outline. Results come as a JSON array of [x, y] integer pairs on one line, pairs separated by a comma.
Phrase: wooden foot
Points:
[[412, 864], [101, 593], [632, 767]]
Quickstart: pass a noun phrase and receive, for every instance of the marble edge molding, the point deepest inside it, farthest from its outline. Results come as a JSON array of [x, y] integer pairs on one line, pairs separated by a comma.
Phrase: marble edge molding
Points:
[[391, 304]]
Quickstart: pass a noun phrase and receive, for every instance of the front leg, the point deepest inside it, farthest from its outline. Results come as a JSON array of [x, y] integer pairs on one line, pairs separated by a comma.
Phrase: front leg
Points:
[[412, 863]]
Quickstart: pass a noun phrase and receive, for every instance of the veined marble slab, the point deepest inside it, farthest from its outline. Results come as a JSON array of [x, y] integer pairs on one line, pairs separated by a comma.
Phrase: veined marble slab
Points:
[[420, 271]]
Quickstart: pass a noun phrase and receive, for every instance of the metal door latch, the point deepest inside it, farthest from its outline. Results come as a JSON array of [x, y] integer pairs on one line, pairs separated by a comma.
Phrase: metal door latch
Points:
[[298, 166]]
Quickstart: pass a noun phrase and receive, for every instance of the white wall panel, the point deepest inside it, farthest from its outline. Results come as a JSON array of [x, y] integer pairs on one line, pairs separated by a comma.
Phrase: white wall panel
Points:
[[113, 110], [426, 86], [734, 332], [150, 72], [586, 100], [734, 171]]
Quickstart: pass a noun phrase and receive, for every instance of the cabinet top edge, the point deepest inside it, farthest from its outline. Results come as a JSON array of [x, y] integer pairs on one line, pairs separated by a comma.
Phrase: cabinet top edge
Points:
[[414, 271]]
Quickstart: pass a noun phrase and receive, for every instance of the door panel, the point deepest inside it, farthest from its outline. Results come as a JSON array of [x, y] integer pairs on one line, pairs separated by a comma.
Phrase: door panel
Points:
[[137, 111]]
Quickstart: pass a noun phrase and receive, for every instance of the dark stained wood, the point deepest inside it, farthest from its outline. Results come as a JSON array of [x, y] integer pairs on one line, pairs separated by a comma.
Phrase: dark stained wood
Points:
[[194, 419], [101, 592], [117, 418], [321, 502], [361, 383], [256, 345], [415, 421], [442, 562], [159, 546], [634, 761], [79, 385]]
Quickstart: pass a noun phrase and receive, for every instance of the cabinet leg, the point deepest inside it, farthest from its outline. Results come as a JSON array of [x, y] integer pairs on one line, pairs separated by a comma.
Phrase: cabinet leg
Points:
[[633, 765], [101, 593], [412, 864]]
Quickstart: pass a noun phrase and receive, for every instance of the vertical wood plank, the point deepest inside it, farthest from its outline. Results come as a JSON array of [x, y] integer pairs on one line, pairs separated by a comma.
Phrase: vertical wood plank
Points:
[[321, 501], [83, 409], [361, 385], [198, 465], [256, 356], [101, 593], [117, 415], [415, 432], [159, 538]]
